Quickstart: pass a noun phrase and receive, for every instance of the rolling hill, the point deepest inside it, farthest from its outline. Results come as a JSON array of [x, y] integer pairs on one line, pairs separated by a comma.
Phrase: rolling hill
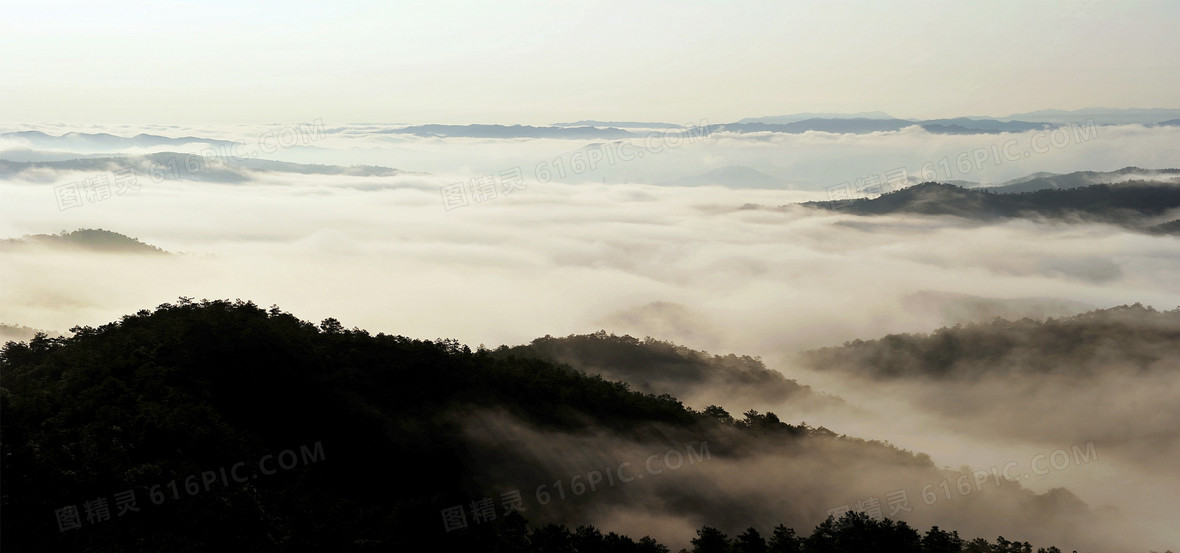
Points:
[[1133, 204], [94, 240]]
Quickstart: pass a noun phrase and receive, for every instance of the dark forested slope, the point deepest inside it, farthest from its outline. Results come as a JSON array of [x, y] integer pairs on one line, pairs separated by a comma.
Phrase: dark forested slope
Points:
[[222, 426], [1130, 204]]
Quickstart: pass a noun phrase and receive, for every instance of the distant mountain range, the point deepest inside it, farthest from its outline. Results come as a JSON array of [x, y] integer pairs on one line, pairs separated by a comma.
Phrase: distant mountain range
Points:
[[620, 124], [778, 124], [103, 142], [1100, 116], [783, 119], [791, 125], [855, 126], [191, 167], [856, 123], [862, 125], [510, 131]]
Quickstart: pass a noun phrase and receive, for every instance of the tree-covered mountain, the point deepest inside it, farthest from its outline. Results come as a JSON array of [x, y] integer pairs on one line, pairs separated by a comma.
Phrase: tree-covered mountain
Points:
[[660, 367], [95, 240], [1059, 372], [1081, 179], [192, 387], [191, 410], [1132, 338], [1133, 204]]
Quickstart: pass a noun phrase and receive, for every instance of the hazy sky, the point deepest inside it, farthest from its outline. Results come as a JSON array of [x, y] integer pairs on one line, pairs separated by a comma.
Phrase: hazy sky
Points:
[[543, 62]]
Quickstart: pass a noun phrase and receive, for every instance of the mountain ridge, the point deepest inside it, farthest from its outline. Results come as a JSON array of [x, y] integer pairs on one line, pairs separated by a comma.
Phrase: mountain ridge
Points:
[[1132, 204]]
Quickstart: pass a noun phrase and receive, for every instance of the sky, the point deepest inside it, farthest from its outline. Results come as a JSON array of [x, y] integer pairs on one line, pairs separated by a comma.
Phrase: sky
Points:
[[177, 62]]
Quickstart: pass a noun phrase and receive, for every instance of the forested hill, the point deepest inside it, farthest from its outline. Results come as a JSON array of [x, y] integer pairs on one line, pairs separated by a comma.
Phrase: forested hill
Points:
[[96, 240], [1072, 365], [1132, 204], [191, 386], [1132, 339], [221, 426], [661, 367]]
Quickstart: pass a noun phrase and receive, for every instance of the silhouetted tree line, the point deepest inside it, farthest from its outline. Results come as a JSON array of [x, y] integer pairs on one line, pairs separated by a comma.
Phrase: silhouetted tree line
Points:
[[852, 532]]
